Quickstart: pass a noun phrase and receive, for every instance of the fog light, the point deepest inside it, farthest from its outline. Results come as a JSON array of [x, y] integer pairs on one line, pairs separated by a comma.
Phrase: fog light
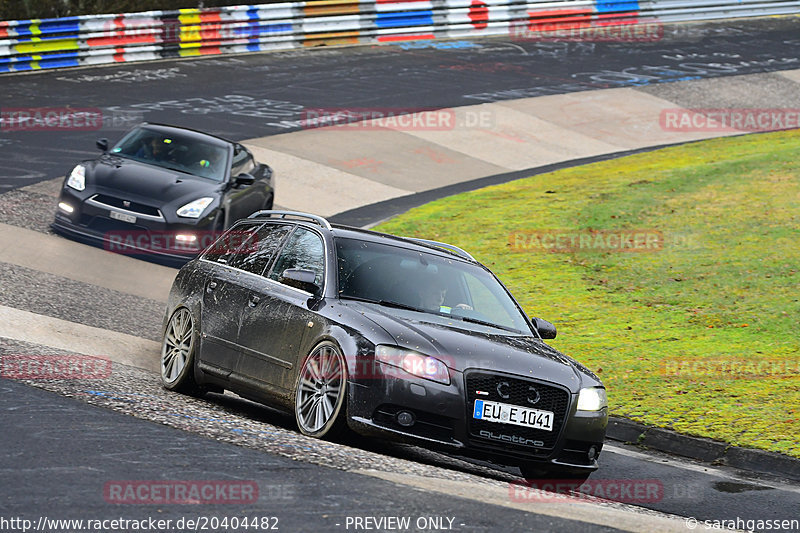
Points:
[[185, 237], [592, 453], [65, 207], [405, 418]]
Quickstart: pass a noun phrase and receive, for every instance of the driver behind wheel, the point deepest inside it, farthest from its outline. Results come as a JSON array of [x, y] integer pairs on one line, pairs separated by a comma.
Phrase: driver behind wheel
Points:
[[431, 293], [155, 149]]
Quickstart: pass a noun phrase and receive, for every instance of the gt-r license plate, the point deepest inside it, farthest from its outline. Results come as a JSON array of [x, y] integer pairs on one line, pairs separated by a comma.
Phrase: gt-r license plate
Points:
[[504, 413], [123, 217]]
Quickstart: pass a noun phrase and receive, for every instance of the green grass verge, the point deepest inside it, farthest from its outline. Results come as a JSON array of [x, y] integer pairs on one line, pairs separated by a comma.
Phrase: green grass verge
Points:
[[701, 336]]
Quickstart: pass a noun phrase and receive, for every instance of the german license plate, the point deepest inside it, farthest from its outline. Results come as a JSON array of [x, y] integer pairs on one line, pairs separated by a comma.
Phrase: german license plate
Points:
[[504, 413], [123, 217]]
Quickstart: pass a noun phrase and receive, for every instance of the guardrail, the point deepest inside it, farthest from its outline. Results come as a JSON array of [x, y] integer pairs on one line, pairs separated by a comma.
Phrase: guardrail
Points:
[[96, 39]]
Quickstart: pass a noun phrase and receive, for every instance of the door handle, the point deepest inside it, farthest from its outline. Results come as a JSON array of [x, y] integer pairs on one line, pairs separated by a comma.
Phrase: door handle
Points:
[[211, 286], [253, 300]]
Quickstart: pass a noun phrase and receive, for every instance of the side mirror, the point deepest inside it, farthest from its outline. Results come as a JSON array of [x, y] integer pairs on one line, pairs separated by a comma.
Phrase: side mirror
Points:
[[102, 144], [301, 278], [244, 179], [546, 329]]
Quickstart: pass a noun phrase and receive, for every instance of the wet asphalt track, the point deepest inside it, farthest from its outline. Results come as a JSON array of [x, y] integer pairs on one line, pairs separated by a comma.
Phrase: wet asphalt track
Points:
[[258, 95], [255, 95]]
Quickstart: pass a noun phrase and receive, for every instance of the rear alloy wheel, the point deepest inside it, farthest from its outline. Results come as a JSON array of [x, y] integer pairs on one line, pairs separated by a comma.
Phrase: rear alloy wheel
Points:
[[177, 353], [320, 392]]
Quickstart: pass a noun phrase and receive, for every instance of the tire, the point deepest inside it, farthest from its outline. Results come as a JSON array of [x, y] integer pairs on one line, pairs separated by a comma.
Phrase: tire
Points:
[[178, 354], [320, 393], [269, 202]]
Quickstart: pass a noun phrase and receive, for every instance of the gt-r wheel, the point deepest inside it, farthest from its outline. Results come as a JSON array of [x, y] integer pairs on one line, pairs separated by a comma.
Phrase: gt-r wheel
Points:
[[177, 353], [320, 392]]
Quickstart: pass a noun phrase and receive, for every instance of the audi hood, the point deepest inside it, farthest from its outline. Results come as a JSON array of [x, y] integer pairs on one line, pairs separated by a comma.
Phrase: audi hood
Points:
[[461, 345]]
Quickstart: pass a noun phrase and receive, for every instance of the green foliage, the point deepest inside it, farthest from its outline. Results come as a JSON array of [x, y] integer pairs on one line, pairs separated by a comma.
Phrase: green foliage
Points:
[[699, 336]]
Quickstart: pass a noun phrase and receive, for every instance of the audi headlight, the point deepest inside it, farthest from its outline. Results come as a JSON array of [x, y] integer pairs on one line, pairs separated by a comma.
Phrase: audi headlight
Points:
[[414, 363], [195, 209], [77, 178], [592, 399]]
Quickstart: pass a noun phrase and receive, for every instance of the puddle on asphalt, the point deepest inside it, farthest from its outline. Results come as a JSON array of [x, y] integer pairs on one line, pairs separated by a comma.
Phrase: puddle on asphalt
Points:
[[735, 488]]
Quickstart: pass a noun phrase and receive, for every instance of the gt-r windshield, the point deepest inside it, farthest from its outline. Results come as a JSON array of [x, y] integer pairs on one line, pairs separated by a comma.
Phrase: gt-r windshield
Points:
[[423, 282], [174, 152]]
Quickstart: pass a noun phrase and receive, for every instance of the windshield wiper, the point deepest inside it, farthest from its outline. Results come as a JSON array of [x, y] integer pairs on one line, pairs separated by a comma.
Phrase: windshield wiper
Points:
[[398, 305], [176, 169], [385, 303], [485, 323]]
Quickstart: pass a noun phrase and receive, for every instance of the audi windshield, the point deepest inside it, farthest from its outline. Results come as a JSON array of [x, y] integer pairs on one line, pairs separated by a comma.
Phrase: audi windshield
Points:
[[426, 283]]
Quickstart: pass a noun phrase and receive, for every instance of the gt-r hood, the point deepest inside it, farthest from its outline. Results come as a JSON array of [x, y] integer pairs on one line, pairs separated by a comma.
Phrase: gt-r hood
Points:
[[463, 346], [145, 183]]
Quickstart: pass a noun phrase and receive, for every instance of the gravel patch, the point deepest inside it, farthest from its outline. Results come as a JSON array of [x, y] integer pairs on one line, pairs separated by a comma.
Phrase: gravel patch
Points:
[[58, 297], [752, 91], [27, 209]]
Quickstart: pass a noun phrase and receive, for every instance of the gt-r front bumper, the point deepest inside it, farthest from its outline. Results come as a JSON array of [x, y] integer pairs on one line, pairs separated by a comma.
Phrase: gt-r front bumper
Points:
[[156, 234]]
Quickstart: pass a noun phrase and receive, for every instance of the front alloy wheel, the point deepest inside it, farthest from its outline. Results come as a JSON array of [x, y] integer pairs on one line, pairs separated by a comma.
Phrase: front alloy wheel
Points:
[[320, 394], [177, 353]]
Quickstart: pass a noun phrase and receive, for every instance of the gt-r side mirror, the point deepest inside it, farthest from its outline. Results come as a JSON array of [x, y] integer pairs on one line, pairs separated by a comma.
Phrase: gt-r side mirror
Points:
[[244, 179], [301, 278], [546, 329], [102, 144]]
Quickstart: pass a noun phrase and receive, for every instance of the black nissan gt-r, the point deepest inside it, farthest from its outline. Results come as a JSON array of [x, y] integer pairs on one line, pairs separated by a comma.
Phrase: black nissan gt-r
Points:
[[162, 190]]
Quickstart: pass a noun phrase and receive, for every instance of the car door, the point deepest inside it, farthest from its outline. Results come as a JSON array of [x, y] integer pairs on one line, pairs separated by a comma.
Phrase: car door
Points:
[[222, 301], [243, 200], [273, 330]]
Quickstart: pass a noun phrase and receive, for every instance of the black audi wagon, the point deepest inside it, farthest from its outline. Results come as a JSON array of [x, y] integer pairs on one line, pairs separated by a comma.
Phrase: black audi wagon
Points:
[[398, 338]]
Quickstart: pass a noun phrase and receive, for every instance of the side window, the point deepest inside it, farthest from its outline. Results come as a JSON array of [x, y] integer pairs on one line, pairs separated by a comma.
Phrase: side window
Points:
[[242, 162], [304, 250], [231, 244], [260, 249]]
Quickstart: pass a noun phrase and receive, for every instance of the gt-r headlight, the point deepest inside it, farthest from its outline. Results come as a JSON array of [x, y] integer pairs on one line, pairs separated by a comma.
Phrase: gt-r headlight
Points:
[[195, 209], [77, 178], [414, 363], [592, 399]]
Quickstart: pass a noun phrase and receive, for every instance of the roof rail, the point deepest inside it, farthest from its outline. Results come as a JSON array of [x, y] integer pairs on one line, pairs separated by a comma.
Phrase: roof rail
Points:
[[449, 247], [283, 214]]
